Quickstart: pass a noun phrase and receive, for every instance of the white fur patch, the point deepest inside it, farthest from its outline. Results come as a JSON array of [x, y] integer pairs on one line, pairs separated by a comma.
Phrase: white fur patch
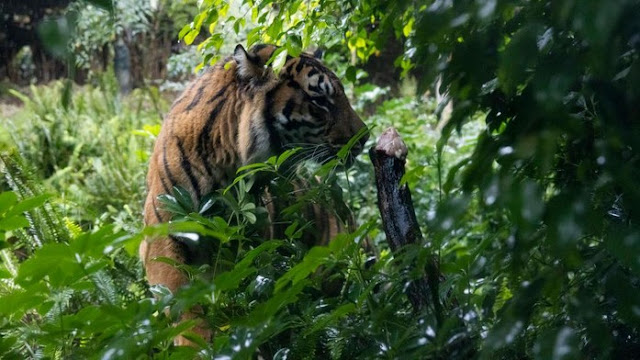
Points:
[[244, 69]]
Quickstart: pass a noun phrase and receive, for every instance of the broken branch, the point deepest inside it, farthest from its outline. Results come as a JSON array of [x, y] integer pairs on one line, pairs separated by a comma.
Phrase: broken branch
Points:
[[398, 215]]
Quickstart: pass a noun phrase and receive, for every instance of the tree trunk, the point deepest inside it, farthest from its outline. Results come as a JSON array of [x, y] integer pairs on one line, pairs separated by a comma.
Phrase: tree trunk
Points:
[[398, 216], [122, 66]]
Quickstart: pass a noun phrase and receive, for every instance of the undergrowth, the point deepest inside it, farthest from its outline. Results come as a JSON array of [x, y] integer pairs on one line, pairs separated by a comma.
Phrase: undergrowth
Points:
[[93, 153], [71, 285]]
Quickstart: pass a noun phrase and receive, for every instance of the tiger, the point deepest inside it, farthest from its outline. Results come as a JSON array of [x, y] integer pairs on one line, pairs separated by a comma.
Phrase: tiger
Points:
[[239, 111]]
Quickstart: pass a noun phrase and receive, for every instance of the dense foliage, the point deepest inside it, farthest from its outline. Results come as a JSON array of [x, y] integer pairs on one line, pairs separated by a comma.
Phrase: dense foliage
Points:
[[527, 195]]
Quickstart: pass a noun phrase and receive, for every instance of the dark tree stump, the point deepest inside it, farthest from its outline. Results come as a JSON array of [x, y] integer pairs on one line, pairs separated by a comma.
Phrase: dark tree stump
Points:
[[398, 216]]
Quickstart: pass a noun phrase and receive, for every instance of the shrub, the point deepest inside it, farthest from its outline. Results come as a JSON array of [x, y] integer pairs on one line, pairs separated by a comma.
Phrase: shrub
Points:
[[92, 153]]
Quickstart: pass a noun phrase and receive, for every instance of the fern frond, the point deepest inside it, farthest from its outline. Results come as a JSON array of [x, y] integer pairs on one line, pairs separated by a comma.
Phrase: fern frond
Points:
[[45, 222], [107, 290], [74, 229]]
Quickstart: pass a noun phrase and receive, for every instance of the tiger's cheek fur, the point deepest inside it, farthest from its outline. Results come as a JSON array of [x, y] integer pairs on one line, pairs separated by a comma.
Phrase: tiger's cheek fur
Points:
[[296, 122], [254, 142]]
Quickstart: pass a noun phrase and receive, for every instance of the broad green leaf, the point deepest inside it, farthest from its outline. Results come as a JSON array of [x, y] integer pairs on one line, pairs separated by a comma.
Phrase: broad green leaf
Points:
[[13, 223], [7, 200], [325, 320], [184, 31], [351, 73], [190, 36], [406, 30], [286, 155], [265, 311], [231, 280], [314, 258], [28, 204], [278, 59]]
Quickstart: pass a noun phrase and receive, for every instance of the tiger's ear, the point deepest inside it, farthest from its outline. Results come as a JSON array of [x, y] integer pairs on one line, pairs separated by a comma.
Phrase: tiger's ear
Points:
[[318, 53], [249, 65]]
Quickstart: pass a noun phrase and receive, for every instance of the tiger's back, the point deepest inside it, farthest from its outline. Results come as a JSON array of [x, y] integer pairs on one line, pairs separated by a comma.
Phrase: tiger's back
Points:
[[197, 147]]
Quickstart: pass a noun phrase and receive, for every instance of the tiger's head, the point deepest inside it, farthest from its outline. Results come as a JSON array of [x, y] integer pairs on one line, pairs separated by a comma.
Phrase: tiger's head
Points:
[[305, 105]]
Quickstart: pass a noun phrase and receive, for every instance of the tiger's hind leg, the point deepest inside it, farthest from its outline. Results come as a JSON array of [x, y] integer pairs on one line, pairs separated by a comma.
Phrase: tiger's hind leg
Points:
[[160, 273]]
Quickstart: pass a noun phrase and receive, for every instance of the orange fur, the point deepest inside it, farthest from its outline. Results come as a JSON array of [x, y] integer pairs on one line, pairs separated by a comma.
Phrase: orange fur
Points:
[[228, 118]]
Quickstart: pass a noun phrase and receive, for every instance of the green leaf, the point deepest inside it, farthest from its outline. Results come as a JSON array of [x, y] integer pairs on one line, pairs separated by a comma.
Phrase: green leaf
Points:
[[342, 153], [13, 223], [53, 261], [231, 279], [252, 166], [205, 204], [7, 200], [28, 204], [351, 73], [286, 155], [292, 231], [183, 197], [406, 30], [278, 59], [518, 59], [17, 301], [325, 320], [451, 175], [266, 311], [327, 167], [253, 36], [314, 258], [251, 218], [190, 36], [185, 29], [294, 45]]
